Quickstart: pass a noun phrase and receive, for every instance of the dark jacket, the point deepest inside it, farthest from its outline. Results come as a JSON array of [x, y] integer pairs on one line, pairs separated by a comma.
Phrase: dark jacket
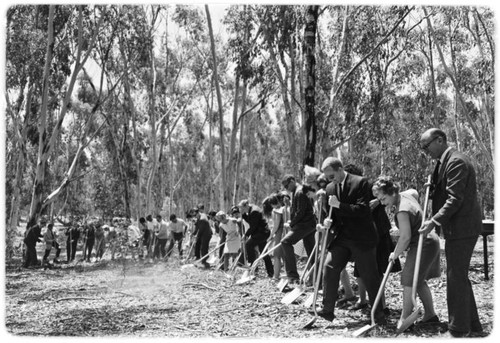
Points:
[[353, 219], [301, 211], [454, 202], [258, 224]]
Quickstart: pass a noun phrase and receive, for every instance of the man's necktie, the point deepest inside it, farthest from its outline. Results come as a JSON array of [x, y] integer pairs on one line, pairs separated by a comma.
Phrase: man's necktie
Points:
[[435, 175]]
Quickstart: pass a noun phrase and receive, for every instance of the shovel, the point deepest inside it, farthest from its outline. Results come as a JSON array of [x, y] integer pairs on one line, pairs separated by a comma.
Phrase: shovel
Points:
[[319, 267], [365, 329], [250, 275], [201, 258], [298, 291], [416, 313], [309, 300]]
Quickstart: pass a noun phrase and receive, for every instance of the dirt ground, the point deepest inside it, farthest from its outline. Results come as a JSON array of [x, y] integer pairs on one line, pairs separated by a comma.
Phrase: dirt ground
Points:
[[125, 298]]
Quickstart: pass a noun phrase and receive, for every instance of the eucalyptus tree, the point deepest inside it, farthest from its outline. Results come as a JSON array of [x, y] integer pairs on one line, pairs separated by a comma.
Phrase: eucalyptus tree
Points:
[[64, 48], [24, 65]]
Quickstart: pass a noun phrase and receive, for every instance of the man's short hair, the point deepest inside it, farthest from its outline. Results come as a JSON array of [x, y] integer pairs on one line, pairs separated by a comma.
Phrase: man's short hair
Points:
[[333, 162], [438, 133], [172, 217]]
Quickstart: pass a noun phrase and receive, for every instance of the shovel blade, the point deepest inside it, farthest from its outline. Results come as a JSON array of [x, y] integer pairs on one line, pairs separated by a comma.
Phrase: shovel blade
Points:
[[364, 330], [411, 319], [310, 323], [282, 284], [212, 259], [246, 277], [292, 296], [309, 300]]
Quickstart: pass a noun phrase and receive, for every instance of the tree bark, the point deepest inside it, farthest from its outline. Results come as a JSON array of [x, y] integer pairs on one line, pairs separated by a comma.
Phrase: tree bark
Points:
[[222, 184], [310, 84]]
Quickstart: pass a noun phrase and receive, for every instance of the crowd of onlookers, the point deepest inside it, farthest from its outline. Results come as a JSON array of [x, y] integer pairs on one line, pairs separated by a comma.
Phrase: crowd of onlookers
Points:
[[149, 238]]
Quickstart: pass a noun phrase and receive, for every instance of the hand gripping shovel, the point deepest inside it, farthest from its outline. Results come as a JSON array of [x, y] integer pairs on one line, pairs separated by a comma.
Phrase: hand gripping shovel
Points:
[[365, 329], [251, 274], [324, 240], [416, 313], [298, 291]]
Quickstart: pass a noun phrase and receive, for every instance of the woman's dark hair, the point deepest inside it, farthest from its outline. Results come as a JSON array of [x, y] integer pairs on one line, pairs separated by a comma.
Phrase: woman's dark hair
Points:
[[385, 185], [267, 208]]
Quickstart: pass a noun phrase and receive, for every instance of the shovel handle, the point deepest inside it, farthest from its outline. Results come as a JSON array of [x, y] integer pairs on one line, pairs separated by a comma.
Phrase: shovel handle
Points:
[[419, 247], [381, 290]]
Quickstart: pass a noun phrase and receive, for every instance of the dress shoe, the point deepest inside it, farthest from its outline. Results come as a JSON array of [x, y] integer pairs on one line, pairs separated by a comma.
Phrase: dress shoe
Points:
[[457, 334], [431, 320]]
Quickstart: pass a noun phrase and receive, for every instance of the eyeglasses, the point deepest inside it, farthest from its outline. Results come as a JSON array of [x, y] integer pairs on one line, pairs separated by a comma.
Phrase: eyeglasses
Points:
[[426, 146]]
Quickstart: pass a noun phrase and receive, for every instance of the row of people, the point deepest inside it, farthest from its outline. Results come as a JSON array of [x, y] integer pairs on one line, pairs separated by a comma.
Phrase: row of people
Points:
[[359, 231]]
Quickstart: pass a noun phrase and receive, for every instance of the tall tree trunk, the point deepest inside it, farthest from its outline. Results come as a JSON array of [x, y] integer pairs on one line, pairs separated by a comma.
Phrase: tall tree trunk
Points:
[[46, 145], [289, 117], [38, 191], [222, 183], [152, 118], [310, 84]]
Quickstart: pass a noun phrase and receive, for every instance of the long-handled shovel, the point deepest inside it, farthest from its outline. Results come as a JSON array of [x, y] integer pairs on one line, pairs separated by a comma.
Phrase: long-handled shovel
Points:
[[204, 256], [309, 299], [248, 274], [246, 277], [323, 252], [298, 291], [365, 329], [416, 313]]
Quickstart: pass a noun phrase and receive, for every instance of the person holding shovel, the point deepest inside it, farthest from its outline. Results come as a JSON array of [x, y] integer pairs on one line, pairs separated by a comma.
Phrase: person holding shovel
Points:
[[408, 219], [301, 226], [457, 216], [354, 236], [257, 234]]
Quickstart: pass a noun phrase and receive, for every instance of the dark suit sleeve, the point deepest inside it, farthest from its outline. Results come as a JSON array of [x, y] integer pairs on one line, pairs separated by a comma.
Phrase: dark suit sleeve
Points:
[[253, 221], [302, 202], [360, 207], [457, 172]]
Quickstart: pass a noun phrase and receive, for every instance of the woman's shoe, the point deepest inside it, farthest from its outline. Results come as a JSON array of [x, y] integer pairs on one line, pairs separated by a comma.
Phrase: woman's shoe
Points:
[[345, 301], [358, 306]]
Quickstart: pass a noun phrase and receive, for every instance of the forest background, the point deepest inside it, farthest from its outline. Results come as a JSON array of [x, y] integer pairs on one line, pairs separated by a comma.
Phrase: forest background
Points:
[[123, 110]]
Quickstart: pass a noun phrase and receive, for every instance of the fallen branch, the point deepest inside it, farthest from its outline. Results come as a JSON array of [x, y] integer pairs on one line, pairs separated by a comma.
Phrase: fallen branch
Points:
[[74, 298], [130, 295], [185, 328], [199, 284]]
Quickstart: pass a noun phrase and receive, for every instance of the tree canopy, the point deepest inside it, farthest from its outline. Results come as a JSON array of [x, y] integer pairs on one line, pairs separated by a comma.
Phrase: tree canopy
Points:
[[127, 110]]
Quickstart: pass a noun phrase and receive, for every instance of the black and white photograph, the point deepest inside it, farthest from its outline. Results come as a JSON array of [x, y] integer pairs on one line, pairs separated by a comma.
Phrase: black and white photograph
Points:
[[248, 170]]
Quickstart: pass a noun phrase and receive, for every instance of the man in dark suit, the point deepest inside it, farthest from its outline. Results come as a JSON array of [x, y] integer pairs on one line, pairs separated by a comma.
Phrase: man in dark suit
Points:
[[257, 234], [301, 226], [457, 216], [354, 236]]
